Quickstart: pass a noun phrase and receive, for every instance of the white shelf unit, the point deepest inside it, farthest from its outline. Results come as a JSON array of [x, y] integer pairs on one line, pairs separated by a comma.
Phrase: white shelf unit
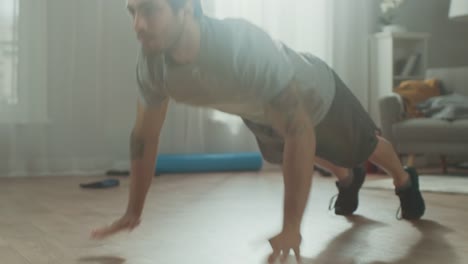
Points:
[[395, 57]]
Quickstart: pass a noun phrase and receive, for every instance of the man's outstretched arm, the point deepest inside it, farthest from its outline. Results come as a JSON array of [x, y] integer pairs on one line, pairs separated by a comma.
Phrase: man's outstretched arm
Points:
[[144, 141], [290, 119]]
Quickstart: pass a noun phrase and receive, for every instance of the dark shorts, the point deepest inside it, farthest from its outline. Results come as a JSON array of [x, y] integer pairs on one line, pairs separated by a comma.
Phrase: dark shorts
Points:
[[345, 137]]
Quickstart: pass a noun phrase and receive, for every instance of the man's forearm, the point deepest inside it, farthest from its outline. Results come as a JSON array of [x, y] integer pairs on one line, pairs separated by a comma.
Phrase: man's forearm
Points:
[[299, 153], [143, 152], [291, 120]]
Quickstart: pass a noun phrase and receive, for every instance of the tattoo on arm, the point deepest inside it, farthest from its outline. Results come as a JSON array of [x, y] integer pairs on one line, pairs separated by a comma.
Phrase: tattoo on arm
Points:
[[288, 111], [137, 146]]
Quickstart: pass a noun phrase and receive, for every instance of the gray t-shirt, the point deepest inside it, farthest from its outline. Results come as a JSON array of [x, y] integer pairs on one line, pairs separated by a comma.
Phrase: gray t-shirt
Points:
[[238, 70]]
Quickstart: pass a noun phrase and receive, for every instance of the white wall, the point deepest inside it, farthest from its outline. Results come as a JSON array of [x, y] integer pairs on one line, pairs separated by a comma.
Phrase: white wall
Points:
[[448, 45]]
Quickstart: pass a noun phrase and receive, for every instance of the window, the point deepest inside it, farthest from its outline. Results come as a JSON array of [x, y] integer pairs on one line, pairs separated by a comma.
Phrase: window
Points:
[[23, 61], [8, 52]]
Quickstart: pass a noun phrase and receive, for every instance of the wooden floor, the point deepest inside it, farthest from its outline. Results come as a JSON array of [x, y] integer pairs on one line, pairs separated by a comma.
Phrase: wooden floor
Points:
[[219, 218]]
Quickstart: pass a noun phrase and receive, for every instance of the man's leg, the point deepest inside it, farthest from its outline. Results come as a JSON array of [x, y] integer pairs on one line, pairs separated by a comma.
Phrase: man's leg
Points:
[[340, 172], [383, 156], [386, 158], [349, 183], [348, 137], [405, 180]]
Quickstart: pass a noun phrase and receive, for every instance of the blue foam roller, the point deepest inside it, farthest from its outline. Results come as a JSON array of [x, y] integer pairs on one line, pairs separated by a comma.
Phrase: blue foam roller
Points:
[[219, 162]]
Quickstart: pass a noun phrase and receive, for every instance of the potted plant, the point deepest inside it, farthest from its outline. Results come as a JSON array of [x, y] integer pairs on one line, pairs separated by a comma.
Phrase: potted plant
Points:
[[389, 10]]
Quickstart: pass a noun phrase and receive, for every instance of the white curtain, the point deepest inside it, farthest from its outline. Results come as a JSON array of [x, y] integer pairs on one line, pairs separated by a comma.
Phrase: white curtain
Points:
[[302, 24], [350, 25], [89, 68]]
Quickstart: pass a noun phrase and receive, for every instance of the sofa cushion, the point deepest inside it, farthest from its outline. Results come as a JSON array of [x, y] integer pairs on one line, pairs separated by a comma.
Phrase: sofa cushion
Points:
[[431, 129]]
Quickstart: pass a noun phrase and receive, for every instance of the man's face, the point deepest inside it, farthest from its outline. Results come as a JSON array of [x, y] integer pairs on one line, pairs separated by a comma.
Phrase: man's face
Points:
[[155, 23]]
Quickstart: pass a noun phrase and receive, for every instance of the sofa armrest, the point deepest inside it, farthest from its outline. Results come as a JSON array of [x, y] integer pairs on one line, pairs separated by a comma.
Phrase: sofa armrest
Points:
[[391, 112]]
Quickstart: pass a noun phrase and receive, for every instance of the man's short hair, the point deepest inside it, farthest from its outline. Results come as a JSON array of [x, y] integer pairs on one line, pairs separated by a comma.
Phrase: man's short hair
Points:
[[197, 8]]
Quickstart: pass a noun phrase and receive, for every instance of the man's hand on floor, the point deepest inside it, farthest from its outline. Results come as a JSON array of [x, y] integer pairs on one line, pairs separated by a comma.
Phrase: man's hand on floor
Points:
[[282, 245], [128, 222]]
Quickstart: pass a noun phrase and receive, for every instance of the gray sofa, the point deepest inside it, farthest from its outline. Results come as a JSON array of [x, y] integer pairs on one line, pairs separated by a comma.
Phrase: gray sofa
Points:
[[427, 135]]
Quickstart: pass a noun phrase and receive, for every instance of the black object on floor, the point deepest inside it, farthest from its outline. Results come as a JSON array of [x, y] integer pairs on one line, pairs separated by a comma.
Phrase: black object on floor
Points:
[[124, 173], [117, 173], [109, 183]]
